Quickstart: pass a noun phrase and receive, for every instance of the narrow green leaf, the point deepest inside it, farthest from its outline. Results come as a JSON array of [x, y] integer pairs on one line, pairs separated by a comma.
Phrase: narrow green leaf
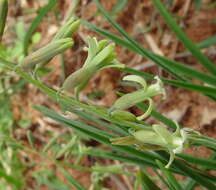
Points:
[[184, 38], [3, 16], [119, 6], [115, 156], [42, 13], [146, 182], [171, 179], [10, 179], [72, 180], [173, 67], [94, 133], [190, 185], [162, 178], [204, 162], [207, 42], [147, 157], [133, 45], [204, 142], [199, 176]]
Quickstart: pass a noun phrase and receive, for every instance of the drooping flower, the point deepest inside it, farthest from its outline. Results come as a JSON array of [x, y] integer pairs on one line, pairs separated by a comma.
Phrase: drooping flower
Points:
[[145, 93], [100, 55], [157, 138]]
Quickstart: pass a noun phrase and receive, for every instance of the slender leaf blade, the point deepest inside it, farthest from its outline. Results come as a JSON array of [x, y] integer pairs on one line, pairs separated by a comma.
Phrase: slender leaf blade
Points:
[[184, 38]]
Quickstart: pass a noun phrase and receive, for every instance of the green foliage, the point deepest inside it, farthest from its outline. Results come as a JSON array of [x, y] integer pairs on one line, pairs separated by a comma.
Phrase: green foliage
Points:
[[41, 14], [112, 127]]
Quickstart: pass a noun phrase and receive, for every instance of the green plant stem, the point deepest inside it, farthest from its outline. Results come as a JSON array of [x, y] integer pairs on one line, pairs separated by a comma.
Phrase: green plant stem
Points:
[[53, 94]]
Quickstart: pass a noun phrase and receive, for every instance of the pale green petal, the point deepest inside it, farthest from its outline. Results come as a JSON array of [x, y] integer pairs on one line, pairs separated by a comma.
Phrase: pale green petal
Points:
[[171, 159], [136, 78], [164, 133]]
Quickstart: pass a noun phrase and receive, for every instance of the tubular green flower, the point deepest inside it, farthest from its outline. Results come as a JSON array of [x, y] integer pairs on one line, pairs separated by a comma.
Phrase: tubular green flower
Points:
[[77, 78], [159, 138], [3, 16], [67, 29], [143, 94], [100, 55], [45, 53]]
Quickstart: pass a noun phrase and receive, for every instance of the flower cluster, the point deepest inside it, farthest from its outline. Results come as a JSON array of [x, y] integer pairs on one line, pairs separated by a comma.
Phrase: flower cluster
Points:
[[100, 55]]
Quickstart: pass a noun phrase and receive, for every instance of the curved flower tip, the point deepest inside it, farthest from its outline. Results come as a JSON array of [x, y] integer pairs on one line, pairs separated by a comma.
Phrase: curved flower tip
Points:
[[191, 132], [148, 111], [100, 55], [137, 79], [67, 29], [171, 159], [158, 86]]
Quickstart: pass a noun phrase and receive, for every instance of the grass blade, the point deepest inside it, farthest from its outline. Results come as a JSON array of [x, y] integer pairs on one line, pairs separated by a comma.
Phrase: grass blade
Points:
[[146, 182], [207, 42], [3, 16], [190, 185], [134, 46], [72, 180], [209, 91], [199, 176], [184, 39], [171, 179], [94, 133], [42, 13], [173, 67], [147, 157], [10, 179], [207, 163]]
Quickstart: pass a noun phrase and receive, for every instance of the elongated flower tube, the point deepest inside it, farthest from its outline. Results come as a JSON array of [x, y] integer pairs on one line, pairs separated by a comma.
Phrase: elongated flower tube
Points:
[[159, 138], [3, 16], [45, 53], [145, 93], [100, 55], [65, 31]]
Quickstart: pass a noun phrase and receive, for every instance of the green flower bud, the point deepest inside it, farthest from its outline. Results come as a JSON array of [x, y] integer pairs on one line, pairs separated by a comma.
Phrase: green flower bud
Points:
[[67, 29], [158, 87], [77, 78], [143, 94], [45, 53], [136, 78], [3, 16], [100, 55], [159, 138]]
